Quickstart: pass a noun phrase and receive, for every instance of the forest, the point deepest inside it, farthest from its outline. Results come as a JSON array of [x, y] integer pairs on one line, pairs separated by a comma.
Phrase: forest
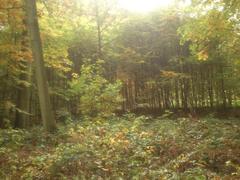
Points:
[[120, 89]]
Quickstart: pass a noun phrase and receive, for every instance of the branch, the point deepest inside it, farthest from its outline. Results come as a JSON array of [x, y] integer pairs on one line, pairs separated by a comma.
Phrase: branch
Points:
[[12, 8]]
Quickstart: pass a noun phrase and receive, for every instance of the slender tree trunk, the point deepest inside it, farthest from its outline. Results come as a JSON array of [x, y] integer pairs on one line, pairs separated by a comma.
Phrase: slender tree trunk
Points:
[[44, 98], [210, 85], [23, 104], [224, 101], [24, 92], [99, 33], [177, 94]]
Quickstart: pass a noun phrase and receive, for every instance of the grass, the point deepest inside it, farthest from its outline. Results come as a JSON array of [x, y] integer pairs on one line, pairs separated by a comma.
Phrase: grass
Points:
[[124, 148]]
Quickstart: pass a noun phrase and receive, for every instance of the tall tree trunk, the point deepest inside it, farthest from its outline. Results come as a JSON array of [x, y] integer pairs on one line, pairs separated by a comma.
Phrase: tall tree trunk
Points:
[[176, 94], [24, 91], [224, 101], [210, 88], [44, 98], [23, 104], [99, 32]]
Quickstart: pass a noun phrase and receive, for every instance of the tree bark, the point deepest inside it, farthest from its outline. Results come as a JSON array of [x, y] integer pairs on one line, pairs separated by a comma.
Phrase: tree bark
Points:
[[24, 91], [49, 122], [99, 33]]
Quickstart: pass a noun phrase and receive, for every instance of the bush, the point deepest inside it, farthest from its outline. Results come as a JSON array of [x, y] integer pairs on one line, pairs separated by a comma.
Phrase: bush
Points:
[[98, 97]]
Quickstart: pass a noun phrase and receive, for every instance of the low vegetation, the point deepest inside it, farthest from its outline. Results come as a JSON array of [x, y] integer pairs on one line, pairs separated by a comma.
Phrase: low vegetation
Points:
[[129, 147]]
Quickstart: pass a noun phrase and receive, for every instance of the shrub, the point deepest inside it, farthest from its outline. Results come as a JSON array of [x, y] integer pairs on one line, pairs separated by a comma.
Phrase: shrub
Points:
[[98, 97]]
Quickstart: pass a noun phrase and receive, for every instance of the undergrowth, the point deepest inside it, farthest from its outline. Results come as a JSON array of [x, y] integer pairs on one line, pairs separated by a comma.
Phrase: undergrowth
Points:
[[129, 147]]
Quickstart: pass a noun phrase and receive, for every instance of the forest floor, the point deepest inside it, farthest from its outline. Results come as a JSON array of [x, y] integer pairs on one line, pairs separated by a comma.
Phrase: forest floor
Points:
[[129, 147]]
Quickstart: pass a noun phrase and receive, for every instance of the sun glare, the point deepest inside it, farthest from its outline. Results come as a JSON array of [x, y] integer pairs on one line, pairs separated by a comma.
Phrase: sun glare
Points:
[[144, 5]]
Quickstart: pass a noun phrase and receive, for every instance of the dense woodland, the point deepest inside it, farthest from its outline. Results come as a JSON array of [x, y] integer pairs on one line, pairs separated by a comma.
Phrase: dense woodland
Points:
[[95, 84]]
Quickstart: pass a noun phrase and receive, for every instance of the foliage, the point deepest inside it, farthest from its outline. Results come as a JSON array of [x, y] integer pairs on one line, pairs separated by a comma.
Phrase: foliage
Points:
[[129, 148], [98, 97], [212, 29], [144, 51]]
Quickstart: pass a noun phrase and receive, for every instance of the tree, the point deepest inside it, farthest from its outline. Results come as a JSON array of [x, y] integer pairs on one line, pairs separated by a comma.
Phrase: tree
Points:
[[212, 30], [44, 98]]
